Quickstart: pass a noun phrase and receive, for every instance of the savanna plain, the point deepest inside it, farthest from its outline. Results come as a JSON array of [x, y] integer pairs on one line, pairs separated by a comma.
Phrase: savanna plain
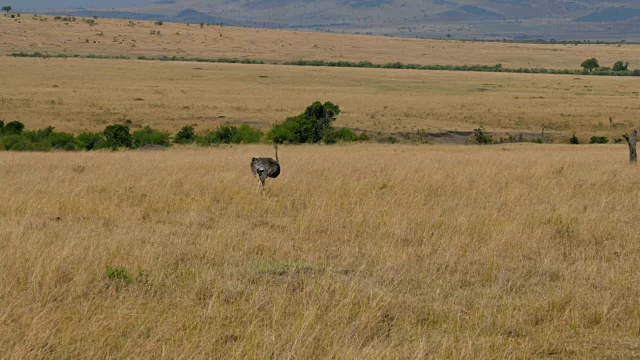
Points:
[[355, 251]]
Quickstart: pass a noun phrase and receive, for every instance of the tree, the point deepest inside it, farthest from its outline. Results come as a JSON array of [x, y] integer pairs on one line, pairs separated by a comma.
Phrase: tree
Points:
[[117, 135], [620, 66], [309, 127], [13, 128], [590, 64], [7, 8], [321, 116]]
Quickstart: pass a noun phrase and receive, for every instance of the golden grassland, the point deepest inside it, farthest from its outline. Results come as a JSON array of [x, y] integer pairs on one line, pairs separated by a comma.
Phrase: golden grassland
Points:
[[355, 251], [368, 251], [116, 37], [82, 94]]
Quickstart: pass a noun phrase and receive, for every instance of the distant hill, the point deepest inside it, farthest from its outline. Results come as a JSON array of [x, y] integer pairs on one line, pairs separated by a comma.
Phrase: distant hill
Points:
[[468, 13], [193, 16], [495, 19], [611, 15]]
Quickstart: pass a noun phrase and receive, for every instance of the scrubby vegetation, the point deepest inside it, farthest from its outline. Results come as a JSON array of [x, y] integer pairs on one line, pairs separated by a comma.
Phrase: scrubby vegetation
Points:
[[230, 134], [482, 138]]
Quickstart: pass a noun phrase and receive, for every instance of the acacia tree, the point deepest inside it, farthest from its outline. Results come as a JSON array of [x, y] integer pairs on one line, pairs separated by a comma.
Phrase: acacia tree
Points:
[[7, 8], [590, 64]]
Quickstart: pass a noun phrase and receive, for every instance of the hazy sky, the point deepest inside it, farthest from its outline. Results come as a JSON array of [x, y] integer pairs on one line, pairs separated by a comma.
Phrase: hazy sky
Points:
[[50, 4]]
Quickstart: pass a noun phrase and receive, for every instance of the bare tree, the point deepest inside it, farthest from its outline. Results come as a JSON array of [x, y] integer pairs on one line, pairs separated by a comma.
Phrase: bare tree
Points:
[[631, 140]]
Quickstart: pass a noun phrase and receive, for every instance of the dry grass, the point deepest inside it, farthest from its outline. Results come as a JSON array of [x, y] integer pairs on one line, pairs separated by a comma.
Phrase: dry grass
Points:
[[362, 251], [80, 94], [354, 252], [27, 34]]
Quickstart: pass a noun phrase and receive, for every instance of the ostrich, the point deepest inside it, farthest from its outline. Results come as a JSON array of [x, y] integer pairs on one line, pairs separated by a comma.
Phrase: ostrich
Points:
[[265, 167]]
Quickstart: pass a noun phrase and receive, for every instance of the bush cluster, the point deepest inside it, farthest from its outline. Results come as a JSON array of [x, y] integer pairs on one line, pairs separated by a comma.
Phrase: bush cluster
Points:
[[14, 137], [312, 126]]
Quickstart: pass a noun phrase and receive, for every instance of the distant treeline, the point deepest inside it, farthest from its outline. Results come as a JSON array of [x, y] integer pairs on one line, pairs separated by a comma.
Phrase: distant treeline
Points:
[[481, 68], [123, 57], [351, 64]]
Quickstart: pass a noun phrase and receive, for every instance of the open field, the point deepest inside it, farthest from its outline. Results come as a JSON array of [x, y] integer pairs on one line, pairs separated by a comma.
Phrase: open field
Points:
[[369, 251], [116, 37], [80, 94], [355, 251]]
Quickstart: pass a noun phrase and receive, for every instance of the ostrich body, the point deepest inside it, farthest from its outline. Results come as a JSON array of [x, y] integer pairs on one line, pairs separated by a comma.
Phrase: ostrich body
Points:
[[265, 167]]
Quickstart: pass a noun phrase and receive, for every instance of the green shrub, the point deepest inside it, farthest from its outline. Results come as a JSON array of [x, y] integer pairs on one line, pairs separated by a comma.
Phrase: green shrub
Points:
[[15, 142], [481, 137], [620, 66], [229, 134], [38, 135], [118, 274], [186, 135], [91, 141], [330, 136], [598, 140], [206, 138], [62, 140], [574, 139], [246, 134], [149, 136], [224, 134], [346, 135], [13, 127], [116, 136], [39, 140], [363, 137], [309, 127], [288, 132]]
